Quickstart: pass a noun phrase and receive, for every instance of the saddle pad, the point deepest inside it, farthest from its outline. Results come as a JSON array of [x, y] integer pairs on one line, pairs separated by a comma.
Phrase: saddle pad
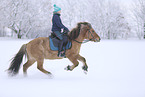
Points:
[[53, 42]]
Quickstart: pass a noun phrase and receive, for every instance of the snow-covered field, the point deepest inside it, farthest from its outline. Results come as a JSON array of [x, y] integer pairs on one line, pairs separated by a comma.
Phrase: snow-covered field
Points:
[[116, 69]]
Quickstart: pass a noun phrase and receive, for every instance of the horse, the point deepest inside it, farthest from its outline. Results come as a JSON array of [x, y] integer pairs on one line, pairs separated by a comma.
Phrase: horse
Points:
[[39, 49]]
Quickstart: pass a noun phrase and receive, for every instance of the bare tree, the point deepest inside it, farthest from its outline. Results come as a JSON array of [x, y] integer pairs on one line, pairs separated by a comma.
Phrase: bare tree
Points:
[[27, 18], [139, 17], [109, 19], [32, 18]]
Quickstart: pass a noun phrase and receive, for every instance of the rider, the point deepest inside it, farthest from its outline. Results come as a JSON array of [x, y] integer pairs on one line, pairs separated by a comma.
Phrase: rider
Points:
[[57, 27]]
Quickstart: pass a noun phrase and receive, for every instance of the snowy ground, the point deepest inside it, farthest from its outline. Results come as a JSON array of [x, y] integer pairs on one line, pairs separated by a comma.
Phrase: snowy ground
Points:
[[116, 69]]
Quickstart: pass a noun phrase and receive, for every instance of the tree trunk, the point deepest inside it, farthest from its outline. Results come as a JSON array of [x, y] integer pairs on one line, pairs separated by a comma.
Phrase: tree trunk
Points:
[[109, 35], [144, 30], [19, 34]]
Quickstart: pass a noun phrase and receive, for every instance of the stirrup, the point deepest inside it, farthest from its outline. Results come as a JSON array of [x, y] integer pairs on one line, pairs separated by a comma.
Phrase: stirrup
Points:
[[61, 54]]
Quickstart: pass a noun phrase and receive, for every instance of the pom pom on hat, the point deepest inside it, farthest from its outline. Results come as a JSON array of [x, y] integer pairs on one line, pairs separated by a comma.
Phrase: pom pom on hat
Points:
[[54, 5]]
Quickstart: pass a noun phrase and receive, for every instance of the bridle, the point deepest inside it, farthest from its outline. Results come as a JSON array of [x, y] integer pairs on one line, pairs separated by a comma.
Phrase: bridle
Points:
[[85, 41], [91, 35]]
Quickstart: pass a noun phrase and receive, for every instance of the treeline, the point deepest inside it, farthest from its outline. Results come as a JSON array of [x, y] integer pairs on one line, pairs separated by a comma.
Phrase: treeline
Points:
[[32, 18]]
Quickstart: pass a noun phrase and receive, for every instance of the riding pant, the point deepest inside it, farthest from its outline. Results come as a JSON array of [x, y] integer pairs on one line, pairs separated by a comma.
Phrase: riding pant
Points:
[[63, 40]]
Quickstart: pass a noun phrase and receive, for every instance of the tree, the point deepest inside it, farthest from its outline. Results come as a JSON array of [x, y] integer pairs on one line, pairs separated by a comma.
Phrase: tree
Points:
[[32, 18], [139, 17], [109, 19], [26, 18]]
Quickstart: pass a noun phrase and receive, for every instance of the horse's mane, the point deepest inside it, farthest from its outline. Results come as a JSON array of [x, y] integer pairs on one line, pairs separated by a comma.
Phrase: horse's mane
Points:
[[74, 33]]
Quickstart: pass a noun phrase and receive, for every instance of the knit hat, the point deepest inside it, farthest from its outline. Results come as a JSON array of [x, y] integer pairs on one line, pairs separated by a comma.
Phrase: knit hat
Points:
[[56, 8]]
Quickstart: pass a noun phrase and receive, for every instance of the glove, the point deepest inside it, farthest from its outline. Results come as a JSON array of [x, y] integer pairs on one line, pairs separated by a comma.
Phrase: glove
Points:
[[65, 32], [62, 30]]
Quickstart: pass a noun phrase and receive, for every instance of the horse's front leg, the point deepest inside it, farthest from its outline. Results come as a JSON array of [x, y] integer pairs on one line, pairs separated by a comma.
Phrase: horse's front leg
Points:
[[85, 66], [73, 59]]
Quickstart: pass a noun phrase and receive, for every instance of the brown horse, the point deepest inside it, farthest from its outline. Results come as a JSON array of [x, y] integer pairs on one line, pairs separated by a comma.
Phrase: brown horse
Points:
[[38, 49]]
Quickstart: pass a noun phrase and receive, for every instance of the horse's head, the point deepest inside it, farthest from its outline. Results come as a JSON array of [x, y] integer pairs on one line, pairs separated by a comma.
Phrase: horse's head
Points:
[[91, 34]]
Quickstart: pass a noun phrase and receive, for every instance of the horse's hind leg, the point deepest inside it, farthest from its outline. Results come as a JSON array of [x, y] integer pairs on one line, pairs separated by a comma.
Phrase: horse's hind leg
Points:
[[40, 67], [85, 66], [27, 65]]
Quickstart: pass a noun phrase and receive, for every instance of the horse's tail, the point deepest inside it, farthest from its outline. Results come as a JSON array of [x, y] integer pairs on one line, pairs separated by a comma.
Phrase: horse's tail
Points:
[[16, 61]]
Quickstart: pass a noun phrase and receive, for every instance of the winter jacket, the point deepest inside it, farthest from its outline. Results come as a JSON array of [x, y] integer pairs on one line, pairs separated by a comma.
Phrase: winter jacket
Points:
[[57, 24]]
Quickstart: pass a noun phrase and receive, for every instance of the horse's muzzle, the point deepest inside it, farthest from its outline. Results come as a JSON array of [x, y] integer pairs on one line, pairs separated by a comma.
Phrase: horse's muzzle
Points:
[[97, 40]]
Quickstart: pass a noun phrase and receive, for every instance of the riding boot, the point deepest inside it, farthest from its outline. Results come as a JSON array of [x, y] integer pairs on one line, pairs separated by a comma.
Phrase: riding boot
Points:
[[60, 48], [65, 41], [63, 52]]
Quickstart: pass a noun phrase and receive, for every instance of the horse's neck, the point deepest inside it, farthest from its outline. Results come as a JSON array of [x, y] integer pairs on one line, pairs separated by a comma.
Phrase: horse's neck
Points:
[[81, 37], [78, 41], [77, 44]]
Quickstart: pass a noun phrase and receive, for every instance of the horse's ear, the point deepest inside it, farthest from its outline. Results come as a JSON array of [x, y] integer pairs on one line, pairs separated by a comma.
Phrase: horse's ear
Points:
[[90, 26]]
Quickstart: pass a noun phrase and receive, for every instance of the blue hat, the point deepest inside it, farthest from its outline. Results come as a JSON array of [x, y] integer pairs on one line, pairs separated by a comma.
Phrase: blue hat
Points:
[[56, 8]]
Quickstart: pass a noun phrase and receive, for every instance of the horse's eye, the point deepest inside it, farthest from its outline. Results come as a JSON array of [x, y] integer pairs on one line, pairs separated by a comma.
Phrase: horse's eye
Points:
[[93, 31]]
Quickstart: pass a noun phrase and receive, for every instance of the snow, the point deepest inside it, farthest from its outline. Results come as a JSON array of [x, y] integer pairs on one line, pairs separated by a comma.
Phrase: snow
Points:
[[116, 69]]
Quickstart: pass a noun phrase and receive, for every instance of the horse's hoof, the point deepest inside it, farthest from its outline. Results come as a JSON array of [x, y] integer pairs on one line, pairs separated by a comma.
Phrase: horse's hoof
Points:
[[25, 75], [85, 68], [85, 72], [68, 68], [50, 76]]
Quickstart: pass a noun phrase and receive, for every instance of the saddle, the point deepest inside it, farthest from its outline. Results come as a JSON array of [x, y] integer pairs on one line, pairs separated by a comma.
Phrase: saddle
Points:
[[54, 42]]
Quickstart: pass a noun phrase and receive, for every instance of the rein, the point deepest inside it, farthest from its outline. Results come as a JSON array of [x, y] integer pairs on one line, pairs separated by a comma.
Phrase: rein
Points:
[[85, 41]]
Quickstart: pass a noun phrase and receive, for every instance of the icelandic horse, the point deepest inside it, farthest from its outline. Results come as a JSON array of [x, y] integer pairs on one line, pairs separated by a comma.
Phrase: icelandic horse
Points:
[[39, 49]]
